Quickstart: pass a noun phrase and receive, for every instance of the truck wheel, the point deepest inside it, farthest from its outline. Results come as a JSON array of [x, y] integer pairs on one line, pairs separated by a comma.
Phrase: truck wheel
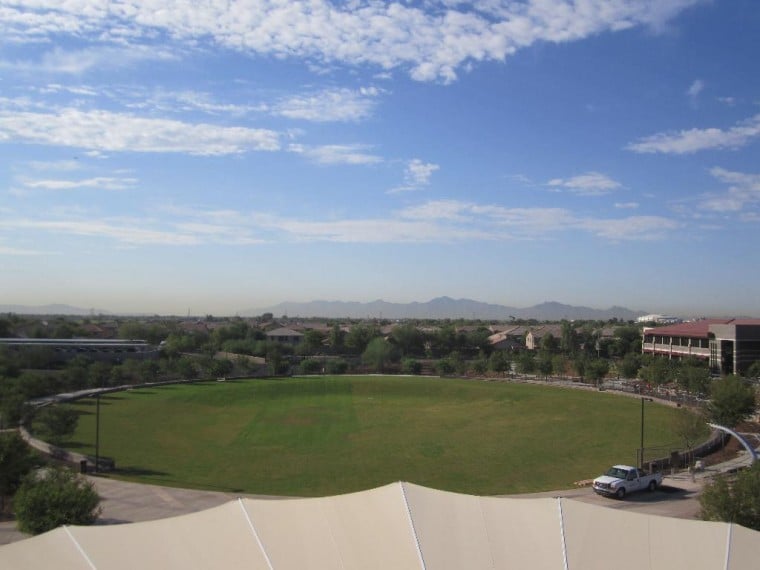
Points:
[[620, 494], [652, 485]]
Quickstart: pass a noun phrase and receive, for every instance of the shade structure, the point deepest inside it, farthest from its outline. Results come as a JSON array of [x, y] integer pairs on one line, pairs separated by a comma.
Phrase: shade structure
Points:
[[399, 526]]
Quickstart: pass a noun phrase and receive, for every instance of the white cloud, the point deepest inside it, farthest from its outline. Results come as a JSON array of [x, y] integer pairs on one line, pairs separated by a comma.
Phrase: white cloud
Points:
[[416, 176], [694, 140], [431, 39], [743, 192], [694, 90], [329, 105], [15, 251], [540, 222], [101, 183], [336, 154], [638, 228], [106, 131], [627, 205], [588, 184], [60, 61], [435, 221]]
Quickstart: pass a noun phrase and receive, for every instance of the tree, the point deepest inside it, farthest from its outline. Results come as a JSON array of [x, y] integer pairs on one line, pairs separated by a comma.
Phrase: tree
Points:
[[311, 342], [630, 365], [359, 336], [694, 378], [569, 339], [525, 362], [736, 501], [479, 365], [596, 369], [409, 339], [549, 343], [55, 497], [499, 361], [544, 363], [16, 460], [731, 401], [689, 426], [379, 353], [627, 340], [56, 423], [336, 338]]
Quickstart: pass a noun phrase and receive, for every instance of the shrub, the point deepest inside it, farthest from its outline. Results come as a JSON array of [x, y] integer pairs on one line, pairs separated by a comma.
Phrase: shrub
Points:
[[54, 497], [735, 501]]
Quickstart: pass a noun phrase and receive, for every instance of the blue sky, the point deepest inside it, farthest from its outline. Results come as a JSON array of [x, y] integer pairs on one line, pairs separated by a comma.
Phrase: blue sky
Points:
[[223, 155]]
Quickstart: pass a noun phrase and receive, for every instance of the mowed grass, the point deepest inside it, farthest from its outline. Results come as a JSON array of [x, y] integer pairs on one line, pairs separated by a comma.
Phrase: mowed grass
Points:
[[330, 435]]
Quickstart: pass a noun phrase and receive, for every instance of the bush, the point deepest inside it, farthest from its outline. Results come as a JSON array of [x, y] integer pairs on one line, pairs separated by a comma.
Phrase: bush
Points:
[[411, 366], [338, 366], [735, 501], [311, 366], [54, 497]]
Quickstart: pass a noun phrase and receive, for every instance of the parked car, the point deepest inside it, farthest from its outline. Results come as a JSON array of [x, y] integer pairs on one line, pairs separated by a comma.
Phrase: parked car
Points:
[[619, 480]]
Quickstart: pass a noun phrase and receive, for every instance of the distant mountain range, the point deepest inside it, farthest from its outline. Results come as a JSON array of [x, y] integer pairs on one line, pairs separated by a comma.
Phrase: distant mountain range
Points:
[[442, 308], [438, 308], [55, 309]]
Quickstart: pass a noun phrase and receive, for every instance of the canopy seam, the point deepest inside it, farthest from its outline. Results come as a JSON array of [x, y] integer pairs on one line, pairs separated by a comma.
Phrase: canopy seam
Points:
[[256, 534], [562, 534], [411, 525], [728, 544], [79, 548]]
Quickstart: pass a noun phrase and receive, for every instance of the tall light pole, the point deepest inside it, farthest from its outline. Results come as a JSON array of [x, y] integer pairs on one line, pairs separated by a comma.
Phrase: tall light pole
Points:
[[97, 431], [641, 449]]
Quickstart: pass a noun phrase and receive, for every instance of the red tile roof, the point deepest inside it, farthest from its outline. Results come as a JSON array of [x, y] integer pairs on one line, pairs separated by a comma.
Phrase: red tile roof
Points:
[[697, 329]]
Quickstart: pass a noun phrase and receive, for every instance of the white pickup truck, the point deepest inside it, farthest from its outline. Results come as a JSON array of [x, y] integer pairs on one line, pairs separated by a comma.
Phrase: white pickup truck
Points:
[[620, 480]]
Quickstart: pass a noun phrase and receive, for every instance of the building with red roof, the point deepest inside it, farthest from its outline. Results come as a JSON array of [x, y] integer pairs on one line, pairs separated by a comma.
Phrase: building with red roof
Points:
[[730, 345]]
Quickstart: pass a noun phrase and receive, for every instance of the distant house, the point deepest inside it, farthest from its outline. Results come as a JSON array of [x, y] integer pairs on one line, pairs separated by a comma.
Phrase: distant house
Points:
[[284, 335], [730, 345], [512, 338], [535, 334]]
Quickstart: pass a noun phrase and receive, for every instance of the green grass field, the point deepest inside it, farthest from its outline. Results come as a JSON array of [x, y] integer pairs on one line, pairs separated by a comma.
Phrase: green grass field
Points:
[[330, 435]]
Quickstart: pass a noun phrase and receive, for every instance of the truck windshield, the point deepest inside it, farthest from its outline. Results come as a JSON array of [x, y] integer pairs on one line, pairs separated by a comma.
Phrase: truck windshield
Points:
[[617, 472]]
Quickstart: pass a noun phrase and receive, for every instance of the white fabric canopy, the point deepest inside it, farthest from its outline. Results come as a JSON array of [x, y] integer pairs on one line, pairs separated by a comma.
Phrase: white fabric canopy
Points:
[[396, 527]]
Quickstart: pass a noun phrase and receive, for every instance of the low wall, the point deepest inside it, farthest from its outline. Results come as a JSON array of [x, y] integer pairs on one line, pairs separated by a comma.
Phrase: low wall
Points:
[[60, 454]]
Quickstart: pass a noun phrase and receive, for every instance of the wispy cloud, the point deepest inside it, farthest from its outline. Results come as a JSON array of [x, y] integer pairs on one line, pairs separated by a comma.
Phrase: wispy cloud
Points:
[[695, 140], [117, 132], [336, 154], [329, 105], [432, 40], [588, 184], [417, 175], [743, 192], [60, 61], [101, 183], [434, 221], [694, 90]]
